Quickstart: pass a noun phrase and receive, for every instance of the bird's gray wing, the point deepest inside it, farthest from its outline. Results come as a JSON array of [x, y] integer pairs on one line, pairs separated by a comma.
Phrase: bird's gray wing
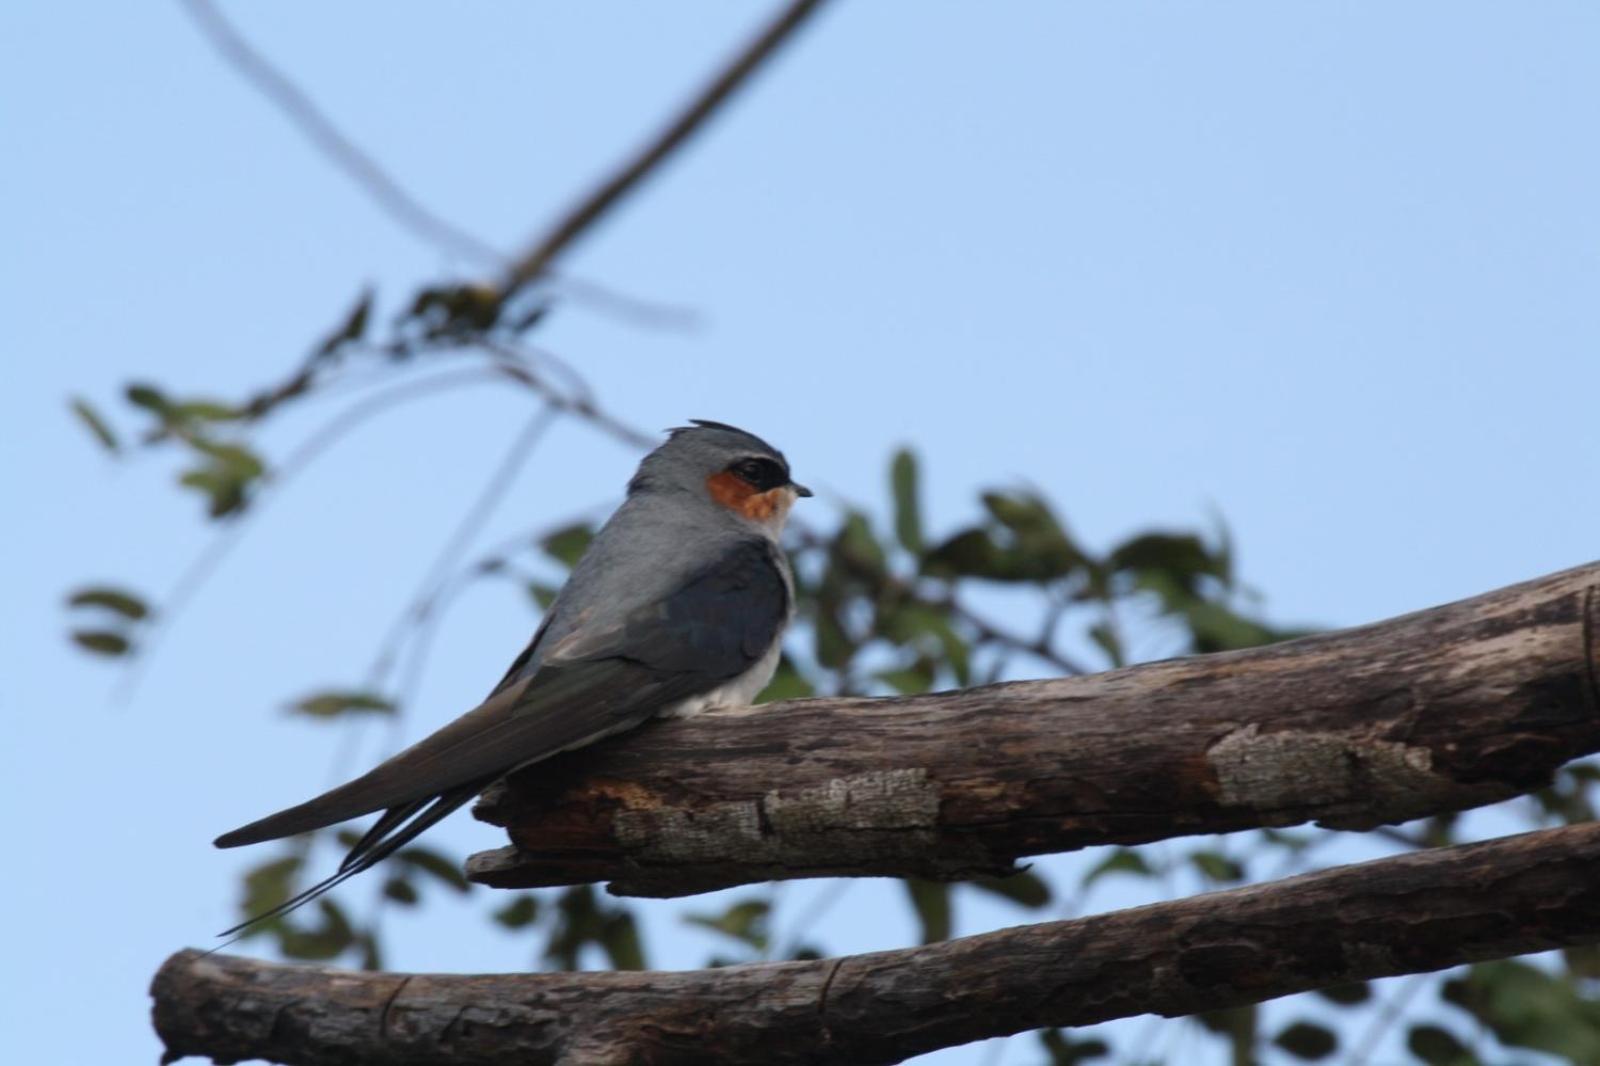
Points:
[[597, 680]]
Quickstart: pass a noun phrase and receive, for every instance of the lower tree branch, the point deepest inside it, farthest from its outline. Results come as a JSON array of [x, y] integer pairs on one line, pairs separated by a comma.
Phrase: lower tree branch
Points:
[[1409, 914], [1437, 711]]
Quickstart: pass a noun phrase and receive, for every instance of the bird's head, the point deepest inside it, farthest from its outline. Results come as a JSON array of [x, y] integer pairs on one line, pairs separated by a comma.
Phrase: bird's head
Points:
[[725, 466]]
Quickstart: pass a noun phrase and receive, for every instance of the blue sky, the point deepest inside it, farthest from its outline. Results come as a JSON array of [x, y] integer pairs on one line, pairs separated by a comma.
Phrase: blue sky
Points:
[[1327, 270]]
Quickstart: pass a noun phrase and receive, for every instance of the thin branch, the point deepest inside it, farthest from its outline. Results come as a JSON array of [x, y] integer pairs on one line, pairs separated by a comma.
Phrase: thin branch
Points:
[[221, 545], [409, 212], [623, 306], [494, 490], [1042, 648], [326, 137], [511, 361], [438, 579], [1388, 1014], [595, 205], [1405, 914], [493, 557]]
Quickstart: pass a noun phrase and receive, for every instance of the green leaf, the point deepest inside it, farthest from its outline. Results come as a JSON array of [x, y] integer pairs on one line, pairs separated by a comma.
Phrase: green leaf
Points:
[[205, 411], [334, 703], [1024, 544], [1120, 861], [1065, 1050], [1238, 1025], [226, 476], [401, 891], [1183, 557], [1024, 887], [1438, 1047], [543, 595], [787, 684], [834, 648], [927, 629], [1037, 533], [1216, 628], [1526, 1006], [521, 911], [970, 553], [1582, 961], [321, 942], [101, 641], [909, 680], [1216, 866], [1105, 637], [268, 885], [235, 460], [745, 921], [1289, 841], [567, 545], [226, 493], [431, 862], [150, 398], [1307, 1040], [857, 549], [620, 939], [581, 919], [119, 601], [371, 952], [907, 508], [931, 901], [95, 423], [1568, 800]]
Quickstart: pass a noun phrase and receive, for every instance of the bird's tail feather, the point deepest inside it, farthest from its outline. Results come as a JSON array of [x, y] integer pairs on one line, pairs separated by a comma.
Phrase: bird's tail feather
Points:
[[380, 829], [397, 828]]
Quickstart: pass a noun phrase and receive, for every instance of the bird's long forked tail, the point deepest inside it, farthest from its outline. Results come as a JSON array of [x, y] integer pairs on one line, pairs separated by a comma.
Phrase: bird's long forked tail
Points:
[[394, 830]]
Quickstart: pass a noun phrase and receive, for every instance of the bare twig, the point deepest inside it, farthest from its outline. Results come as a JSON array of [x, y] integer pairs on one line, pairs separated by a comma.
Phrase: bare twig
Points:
[[1388, 1014], [320, 130], [437, 578], [227, 538], [621, 305], [1042, 649], [386, 191], [512, 361], [593, 206]]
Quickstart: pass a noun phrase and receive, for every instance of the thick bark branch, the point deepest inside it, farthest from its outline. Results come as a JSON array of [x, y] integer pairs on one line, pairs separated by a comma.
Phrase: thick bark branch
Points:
[[1418, 912], [1437, 711]]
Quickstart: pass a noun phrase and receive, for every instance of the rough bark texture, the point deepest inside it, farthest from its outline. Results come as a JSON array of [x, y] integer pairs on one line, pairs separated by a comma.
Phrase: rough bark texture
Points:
[[1402, 915], [1437, 711]]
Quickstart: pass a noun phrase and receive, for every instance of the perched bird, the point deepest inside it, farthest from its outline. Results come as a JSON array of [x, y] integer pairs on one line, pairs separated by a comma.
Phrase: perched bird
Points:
[[678, 605]]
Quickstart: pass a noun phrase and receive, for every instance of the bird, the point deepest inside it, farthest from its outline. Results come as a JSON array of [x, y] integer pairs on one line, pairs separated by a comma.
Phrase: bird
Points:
[[678, 605]]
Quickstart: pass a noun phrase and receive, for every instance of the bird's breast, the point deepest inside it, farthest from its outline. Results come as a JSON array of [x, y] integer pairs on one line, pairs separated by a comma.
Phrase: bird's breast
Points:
[[739, 692]]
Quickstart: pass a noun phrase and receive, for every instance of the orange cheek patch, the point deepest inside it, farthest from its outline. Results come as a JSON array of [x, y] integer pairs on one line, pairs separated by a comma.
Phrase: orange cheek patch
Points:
[[738, 495]]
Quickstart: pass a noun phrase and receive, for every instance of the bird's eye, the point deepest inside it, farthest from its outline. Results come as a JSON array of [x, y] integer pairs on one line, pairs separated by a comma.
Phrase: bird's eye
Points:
[[762, 474]]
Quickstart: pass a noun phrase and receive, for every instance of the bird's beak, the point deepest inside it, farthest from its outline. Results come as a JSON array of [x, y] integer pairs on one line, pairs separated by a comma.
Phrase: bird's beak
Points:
[[800, 490]]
